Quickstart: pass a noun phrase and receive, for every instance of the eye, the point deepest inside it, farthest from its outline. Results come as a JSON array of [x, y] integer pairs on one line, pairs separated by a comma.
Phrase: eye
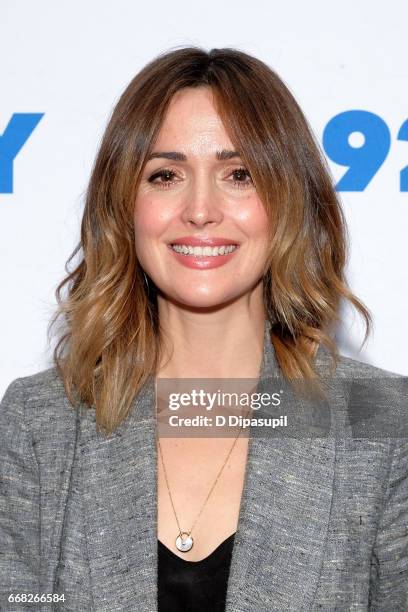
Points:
[[166, 177], [240, 178]]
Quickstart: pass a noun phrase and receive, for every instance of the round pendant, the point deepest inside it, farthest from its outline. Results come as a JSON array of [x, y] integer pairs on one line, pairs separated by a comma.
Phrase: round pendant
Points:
[[184, 542]]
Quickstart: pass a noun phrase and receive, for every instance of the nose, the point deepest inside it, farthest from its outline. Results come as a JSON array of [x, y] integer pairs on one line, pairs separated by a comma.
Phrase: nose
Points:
[[203, 205]]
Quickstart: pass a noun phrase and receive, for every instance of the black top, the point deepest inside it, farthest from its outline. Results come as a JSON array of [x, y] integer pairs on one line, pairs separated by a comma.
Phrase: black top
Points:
[[194, 586]]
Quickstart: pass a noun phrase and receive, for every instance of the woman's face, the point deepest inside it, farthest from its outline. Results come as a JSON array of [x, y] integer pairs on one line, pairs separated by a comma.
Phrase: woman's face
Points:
[[195, 189]]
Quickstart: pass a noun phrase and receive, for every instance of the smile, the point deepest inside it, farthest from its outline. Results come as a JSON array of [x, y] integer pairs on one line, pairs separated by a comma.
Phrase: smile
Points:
[[205, 251], [203, 257]]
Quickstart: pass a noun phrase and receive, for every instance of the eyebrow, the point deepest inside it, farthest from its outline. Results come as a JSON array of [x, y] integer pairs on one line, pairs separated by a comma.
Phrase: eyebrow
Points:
[[176, 156]]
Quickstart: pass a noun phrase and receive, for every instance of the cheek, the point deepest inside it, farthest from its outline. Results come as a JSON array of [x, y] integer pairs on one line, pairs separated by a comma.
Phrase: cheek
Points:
[[150, 220], [253, 218]]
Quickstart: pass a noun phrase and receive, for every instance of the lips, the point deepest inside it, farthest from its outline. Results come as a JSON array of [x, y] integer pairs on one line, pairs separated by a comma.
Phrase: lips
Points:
[[203, 241], [199, 261]]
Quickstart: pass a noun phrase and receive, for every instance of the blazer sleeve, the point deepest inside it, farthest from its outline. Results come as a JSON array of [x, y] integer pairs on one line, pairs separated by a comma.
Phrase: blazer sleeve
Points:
[[389, 563], [19, 499]]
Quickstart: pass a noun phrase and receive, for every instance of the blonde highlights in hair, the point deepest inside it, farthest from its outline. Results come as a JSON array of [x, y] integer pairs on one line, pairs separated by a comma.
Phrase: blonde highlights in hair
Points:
[[110, 342]]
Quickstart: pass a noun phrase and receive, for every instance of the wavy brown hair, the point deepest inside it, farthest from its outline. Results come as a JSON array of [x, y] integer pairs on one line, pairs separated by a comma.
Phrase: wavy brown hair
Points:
[[110, 343]]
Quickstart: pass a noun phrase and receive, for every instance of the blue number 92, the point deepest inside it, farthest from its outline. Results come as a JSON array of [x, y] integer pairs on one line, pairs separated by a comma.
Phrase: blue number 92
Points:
[[363, 161]]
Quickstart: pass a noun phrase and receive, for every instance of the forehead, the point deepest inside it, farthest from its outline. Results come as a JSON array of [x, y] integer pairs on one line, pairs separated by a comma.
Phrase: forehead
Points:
[[192, 122]]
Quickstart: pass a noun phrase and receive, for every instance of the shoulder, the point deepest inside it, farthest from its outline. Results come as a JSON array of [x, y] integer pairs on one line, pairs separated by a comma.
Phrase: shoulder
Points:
[[353, 368], [358, 374], [38, 403], [370, 392], [383, 387], [41, 386], [377, 402]]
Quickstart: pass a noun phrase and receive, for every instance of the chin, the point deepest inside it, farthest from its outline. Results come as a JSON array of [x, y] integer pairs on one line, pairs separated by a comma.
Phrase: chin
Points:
[[199, 299]]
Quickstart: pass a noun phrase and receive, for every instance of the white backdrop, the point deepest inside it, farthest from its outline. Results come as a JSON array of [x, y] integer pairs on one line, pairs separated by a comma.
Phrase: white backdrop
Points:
[[70, 60]]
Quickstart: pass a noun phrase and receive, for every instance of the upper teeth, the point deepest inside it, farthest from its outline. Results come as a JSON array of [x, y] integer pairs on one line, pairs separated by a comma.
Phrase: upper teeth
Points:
[[200, 251]]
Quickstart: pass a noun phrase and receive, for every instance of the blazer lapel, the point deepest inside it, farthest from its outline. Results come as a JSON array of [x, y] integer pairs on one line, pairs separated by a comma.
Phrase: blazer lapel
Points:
[[282, 525], [120, 502], [284, 515]]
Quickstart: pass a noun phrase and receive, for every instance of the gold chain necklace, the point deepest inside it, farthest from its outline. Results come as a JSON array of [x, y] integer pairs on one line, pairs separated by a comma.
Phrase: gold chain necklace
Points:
[[184, 541]]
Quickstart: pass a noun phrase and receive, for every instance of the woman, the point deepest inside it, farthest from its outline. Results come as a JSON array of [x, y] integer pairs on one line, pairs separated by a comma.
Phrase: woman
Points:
[[203, 151]]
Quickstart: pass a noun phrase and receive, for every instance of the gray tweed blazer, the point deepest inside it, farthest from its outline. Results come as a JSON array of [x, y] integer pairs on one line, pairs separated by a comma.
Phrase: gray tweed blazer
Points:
[[323, 522]]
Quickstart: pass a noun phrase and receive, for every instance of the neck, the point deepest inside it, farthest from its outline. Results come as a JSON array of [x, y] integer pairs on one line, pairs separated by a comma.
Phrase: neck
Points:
[[222, 343]]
